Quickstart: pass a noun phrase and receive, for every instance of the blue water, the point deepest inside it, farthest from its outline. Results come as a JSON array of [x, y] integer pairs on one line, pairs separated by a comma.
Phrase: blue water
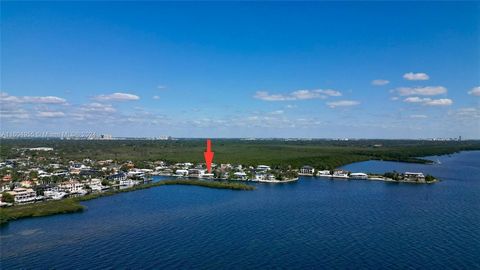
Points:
[[312, 224]]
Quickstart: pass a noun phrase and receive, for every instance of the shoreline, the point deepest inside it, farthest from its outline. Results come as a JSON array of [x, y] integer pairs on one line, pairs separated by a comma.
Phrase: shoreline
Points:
[[72, 205], [373, 178], [266, 181]]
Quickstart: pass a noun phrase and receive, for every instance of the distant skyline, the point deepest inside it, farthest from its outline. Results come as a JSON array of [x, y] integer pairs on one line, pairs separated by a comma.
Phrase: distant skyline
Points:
[[232, 69]]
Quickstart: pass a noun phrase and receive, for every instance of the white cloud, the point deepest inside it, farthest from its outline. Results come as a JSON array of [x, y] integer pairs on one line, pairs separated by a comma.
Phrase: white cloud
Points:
[[475, 91], [98, 108], [342, 103], [466, 113], [416, 100], [422, 91], [439, 102], [297, 95], [264, 95], [12, 112], [117, 97], [416, 76], [329, 92], [305, 94], [380, 82], [418, 116], [161, 87], [429, 101], [50, 114], [156, 97], [96, 113], [5, 97]]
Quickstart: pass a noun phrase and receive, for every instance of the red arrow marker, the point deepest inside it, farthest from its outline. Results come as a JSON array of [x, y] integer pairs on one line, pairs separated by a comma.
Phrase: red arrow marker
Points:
[[208, 156]]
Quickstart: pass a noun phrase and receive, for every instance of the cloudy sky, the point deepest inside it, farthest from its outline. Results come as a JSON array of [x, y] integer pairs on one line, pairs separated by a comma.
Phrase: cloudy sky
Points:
[[364, 70]]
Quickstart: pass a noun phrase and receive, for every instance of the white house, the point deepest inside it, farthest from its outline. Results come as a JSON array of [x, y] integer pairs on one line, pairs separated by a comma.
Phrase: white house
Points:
[[261, 176], [117, 177], [94, 182], [135, 173], [307, 170], [414, 176], [23, 195], [128, 182], [71, 186], [197, 173]]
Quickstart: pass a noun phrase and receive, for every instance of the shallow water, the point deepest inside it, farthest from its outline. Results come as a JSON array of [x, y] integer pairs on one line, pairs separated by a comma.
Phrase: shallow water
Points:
[[314, 223]]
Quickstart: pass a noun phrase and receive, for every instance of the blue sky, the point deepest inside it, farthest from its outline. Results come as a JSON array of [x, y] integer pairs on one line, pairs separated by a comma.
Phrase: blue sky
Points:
[[323, 70]]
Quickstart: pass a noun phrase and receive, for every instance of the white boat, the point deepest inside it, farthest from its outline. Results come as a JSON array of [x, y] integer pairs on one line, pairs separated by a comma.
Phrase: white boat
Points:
[[358, 176], [340, 174], [54, 195], [324, 173]]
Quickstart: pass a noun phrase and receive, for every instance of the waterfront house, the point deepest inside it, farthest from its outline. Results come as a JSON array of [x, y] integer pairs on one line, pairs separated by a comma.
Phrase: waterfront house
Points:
[[23, 195], [54, 194], [128, 182], [95, 184], [71, 186], [307, 170], [196, 173], [117, 177], [94, 181], [136, 173], [263, 176], [414, 176], [95, 188]]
